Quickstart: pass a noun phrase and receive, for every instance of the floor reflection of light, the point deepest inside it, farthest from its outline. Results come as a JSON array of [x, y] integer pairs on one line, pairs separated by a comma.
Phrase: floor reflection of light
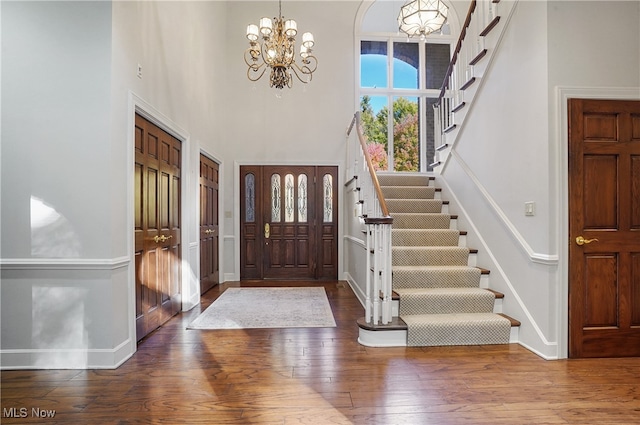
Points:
[[294, 383], [51, 233]]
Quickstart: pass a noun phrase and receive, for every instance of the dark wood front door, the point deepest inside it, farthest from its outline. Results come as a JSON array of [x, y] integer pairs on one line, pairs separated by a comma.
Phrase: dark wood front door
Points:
[[288, 222], [604, 228], [157, 226], [209, 229]]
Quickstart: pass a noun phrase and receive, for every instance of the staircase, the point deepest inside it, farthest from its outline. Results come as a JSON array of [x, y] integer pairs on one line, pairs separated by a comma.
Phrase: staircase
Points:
[[440, 296]]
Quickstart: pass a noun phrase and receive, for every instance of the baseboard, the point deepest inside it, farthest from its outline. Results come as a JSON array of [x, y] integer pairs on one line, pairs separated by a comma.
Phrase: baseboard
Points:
[[229, 277], [67, 358], [355, 288], [541, 354]]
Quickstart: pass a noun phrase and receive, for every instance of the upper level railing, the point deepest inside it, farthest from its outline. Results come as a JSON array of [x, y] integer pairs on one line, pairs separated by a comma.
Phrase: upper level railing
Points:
[[482, 17], [375, 215]]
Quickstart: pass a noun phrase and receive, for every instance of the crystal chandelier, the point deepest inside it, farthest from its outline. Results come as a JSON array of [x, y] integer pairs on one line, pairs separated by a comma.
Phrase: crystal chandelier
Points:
[[278, 52], [422, 17]]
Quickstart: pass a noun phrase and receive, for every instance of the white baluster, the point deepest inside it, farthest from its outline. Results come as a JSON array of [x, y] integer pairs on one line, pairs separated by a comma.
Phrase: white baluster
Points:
[[368, 288], [386, 273], [376, 276]]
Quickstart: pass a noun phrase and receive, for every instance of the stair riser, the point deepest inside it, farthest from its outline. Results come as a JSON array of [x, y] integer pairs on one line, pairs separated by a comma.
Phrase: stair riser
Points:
[[444, 307], [395, 307], [429, 257], [433, 221], [415, 206], [398, 192], [445, 301], [438, 330], [399, 180], [427, 237], [426, 279]]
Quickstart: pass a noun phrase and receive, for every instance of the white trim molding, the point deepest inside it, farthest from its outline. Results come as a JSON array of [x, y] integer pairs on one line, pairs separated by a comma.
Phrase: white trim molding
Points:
[[535, 257], [64, 263], [79, 358]]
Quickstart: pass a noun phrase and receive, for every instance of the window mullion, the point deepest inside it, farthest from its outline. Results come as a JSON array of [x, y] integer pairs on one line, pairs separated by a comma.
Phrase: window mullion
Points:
[[390, 58]]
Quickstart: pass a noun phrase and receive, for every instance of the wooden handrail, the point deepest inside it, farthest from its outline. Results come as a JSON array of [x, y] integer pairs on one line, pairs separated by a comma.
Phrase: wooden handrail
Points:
[[454, 57], [363, 144]]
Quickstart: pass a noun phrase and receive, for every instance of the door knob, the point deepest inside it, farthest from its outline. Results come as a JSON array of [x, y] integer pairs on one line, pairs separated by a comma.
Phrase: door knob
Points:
[[580, 240], [267, 230], [161, 238]]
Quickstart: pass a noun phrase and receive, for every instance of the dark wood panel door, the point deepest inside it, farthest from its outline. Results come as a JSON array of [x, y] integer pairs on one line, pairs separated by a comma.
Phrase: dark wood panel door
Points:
[[289, 217], [604, 228], [209, 227], [288, 222], [157, 226]]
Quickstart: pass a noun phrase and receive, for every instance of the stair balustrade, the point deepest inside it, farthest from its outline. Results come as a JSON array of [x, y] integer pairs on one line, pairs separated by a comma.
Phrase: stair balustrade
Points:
[[482, 17], [375, 216]]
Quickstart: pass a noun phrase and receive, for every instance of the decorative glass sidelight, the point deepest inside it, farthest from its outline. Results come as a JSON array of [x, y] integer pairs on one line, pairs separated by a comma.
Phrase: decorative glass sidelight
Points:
[[302, 198], [275, 197], [327, 184], [250, 197], [289, 198]]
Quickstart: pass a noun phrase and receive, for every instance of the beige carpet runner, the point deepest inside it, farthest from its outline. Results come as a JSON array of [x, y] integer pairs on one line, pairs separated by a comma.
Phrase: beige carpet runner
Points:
[[440, 296]]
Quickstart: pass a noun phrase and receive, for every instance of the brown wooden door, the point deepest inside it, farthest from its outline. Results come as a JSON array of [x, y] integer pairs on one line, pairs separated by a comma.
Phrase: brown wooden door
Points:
[[288, 222], [157, 226], [209, 229], [604, 209]]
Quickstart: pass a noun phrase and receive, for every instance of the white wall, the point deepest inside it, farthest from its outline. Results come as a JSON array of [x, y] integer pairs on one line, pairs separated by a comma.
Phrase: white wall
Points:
[[69, 89], [55, 128], [58, 272], [307, 124]]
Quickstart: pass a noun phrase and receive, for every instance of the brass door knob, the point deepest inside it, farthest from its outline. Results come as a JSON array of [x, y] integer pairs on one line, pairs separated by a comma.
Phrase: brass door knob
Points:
[[580, 240], [161, 238]]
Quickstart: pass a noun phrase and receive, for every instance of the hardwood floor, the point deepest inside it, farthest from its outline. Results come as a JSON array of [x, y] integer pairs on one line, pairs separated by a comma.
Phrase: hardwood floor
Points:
[[323, 376]]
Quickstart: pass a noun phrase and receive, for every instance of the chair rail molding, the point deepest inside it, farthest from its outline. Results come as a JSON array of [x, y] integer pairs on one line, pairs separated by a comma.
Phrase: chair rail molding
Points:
[[64, 263]]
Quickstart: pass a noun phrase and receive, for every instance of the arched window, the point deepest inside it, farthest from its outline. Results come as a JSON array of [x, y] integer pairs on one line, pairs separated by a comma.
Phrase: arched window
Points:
[[399, 82]]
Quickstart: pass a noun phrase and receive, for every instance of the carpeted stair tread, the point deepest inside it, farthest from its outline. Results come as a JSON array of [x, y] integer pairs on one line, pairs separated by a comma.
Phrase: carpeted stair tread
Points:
[[408, 192], [445, 300], [430, 256], [404, 180], [425, 237], [457, 329], [414, 205], [436, 276], [421, 220]]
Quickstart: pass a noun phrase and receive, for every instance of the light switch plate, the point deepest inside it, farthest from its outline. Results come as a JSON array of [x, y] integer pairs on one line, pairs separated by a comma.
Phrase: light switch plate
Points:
[[530, 208]]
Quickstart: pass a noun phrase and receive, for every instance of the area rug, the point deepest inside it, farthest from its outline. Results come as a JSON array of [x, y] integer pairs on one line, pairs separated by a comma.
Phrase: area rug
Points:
[[282, 307]]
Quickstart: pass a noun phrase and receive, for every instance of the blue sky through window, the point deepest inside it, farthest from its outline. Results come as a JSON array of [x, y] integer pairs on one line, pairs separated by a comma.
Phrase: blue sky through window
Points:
[[373, 73]]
